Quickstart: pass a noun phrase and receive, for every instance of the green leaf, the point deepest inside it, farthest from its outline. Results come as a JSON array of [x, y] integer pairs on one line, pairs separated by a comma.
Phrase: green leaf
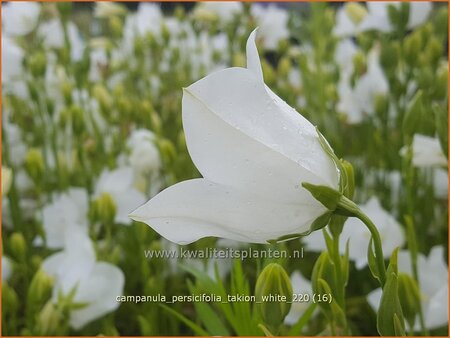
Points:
[[211, 320], [296, 330], [194, 327]]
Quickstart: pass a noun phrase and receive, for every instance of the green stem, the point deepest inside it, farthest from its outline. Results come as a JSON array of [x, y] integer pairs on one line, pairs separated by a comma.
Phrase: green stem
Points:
[[351, 209]]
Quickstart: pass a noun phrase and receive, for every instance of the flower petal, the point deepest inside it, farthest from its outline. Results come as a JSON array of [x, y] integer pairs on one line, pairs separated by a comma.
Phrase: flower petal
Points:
[[244, 135], [100, 290], [253, 62], [190, 210], [418, 13]]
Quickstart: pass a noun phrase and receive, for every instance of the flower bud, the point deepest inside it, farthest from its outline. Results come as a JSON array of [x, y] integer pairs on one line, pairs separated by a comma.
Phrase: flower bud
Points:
[[49, 320], [166, 149], [355, 11], [104, 209], [390, 316], [18, 246], [413, 45], [108, 9], [10, 300], [434, 50], [441, 83], [274, 291], [409, 295], [116, 26], [34, 164], [414, 115], [103, 98], [6, 180], [78, 125], [390, 55], [67, 92], [359, 64], [37, 64], [284, 67], [39, 291], [238, 60], [269, 73]]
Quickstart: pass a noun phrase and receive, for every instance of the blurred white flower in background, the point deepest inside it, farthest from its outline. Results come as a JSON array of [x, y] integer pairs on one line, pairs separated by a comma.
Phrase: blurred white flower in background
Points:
[[20, 18], [427, 152], [358, 235], [440, 182], [147, 19], [12, 56], [345, 51], [12, 75], [119, 184], [354, 18], [97, 284], [272, 22], [378, 16], [6, 268], [68, 210], [433, 282], [371, 84], [52, 33], [98, 60], [253, 151], [300, 286], [359, 101], [145, 160]]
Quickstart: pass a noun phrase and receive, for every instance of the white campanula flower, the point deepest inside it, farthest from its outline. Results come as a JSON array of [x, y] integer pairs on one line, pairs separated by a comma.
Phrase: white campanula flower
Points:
[[358, 235], [272, 22], [20, 18], [359, 101], [427, 152], [145, 160], [119, 183], [300, 286], [12, 60], [52, 33], [66, 212], [97, 284], [254, 151], [346, 50], [12, 68], [6, 268], [378, 17], [372, 83], [352, 19], [433, 283], [98, 60], [440, 182], [147, 19]]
